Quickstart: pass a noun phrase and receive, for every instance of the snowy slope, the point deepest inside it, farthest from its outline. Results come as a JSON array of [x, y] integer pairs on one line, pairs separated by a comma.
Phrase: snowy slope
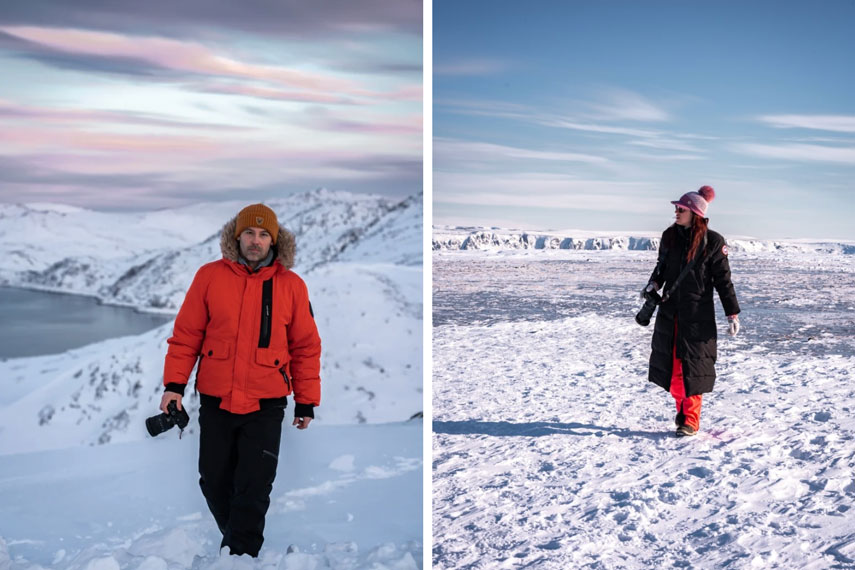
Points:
[[35, 236], [368, 313], [345, 497], [466, 238], [403, 226], [551, 449]]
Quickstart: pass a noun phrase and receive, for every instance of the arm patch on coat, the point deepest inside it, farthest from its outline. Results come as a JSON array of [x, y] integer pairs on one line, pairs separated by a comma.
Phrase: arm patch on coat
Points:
[[724, 249]]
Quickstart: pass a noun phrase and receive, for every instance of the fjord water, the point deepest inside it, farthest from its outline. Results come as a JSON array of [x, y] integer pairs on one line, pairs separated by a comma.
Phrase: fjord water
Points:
[[38, 322]]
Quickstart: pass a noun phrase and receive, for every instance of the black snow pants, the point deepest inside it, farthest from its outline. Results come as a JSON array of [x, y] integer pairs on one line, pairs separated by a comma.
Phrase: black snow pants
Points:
[[238, 454]]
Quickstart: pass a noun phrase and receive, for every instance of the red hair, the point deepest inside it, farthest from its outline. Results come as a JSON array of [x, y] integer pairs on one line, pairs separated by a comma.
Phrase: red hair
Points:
[[699, 230]]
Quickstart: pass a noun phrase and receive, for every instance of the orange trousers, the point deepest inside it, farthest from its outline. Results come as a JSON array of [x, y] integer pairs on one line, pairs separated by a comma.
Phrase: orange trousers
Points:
[[689, 406]]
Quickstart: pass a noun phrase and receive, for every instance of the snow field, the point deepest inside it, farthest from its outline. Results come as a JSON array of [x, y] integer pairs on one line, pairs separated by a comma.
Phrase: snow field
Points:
[[345, 497], [551, 449]]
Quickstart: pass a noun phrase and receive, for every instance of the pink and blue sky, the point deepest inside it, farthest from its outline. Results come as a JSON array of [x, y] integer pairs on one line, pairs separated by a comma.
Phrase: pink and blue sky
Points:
[[595, 115], [141, 105]]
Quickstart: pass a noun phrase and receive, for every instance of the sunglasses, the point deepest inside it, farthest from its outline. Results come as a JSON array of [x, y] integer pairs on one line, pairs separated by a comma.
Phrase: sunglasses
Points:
[[679, 210]]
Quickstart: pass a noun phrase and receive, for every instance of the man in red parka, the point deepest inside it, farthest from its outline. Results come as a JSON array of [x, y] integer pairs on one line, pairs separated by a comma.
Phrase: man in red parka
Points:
[[248, 321]]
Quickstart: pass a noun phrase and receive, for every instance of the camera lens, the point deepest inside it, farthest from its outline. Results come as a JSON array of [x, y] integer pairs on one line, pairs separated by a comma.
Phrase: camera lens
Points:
[[158, 424], [643, 316]]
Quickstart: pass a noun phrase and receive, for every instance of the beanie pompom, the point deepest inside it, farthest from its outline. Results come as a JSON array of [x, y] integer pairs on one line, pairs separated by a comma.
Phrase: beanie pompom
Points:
[[707, 193]]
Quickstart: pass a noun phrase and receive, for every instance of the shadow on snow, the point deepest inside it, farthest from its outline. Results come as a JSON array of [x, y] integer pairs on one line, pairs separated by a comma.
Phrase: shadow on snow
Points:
[[538, 429]]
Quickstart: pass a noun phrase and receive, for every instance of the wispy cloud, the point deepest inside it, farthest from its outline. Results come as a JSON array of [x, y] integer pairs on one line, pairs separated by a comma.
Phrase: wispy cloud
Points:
[[188, 57], [835, 123], [272, 93], [613, 115], [597, 128], [690, 151], [411, 125], [130, 147], [321, 19], [531, 189], [800, 152], [597, 117], [647, 157], [624, 105], [448, 151], [666, 144], [55, 115], [471, 67]]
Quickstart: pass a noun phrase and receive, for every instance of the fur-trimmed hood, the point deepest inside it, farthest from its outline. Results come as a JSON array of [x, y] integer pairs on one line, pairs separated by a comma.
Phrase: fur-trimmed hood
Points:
[[286, 244]]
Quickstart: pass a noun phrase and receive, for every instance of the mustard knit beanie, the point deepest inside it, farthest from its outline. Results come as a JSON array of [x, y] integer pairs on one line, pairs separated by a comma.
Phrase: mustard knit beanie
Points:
[[257, 216]]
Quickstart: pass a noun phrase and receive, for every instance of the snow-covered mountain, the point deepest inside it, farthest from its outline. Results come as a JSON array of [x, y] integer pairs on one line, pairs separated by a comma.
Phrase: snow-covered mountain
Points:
[[359, 255], [403, 225], [148, 259], [468, 238]]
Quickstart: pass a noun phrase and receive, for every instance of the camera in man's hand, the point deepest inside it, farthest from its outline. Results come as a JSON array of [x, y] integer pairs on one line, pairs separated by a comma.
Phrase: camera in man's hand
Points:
[[160, 423], [651, 301]]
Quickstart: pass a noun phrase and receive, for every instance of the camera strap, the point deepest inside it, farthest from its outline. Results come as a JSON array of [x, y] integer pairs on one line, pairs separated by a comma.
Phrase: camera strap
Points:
[[698, 256]]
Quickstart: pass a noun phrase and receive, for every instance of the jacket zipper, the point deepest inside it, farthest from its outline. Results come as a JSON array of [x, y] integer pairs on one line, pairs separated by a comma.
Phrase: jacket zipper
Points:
[[266, 304]]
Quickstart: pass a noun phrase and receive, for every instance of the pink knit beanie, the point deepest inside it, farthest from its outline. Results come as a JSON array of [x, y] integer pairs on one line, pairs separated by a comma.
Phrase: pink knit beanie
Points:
[[697, 201]]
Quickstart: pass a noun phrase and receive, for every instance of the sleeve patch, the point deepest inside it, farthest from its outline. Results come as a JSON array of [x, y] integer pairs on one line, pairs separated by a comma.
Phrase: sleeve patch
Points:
[[724, 249]]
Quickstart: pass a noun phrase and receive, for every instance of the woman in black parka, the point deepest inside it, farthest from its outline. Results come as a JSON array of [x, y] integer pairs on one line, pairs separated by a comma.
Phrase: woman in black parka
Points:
[[684, 336]]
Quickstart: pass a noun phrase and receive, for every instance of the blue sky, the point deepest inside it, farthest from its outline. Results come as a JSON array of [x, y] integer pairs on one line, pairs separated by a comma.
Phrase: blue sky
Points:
[[140, 105], [595, 115]]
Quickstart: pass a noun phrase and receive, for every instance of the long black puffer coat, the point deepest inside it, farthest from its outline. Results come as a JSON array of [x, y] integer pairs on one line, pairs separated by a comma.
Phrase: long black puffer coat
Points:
[[692, 307]]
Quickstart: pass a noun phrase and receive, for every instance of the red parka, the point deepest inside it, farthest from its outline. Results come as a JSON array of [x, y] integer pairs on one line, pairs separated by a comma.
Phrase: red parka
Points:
[[253, 332]]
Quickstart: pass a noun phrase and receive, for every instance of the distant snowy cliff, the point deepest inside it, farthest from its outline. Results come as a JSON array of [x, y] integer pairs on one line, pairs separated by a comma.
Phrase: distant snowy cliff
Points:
[[463, 238], [526, 240]]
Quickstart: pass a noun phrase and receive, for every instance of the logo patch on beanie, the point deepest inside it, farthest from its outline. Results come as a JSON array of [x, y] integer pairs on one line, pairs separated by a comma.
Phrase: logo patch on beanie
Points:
[[259, 220], [724, 250]]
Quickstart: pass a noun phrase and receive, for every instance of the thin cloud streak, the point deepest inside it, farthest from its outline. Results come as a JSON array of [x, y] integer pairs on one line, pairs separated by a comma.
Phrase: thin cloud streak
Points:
[[537, 117], [411, 126], [173, 54], [458, 151], [17, 139], [477, 67], [627, 105], [54, 115], [834, 123], [666, 144], [319, 20], [571, 124], [662, 157], [545, 190], [270, 93], [800, 152]]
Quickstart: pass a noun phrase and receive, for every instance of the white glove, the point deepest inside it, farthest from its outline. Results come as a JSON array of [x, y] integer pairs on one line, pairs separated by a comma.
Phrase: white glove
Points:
[[733, 325], [652, 286]]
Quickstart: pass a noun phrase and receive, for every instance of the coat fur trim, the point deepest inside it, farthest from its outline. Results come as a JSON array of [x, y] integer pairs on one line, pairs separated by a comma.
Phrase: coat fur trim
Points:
[[286, 244]]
